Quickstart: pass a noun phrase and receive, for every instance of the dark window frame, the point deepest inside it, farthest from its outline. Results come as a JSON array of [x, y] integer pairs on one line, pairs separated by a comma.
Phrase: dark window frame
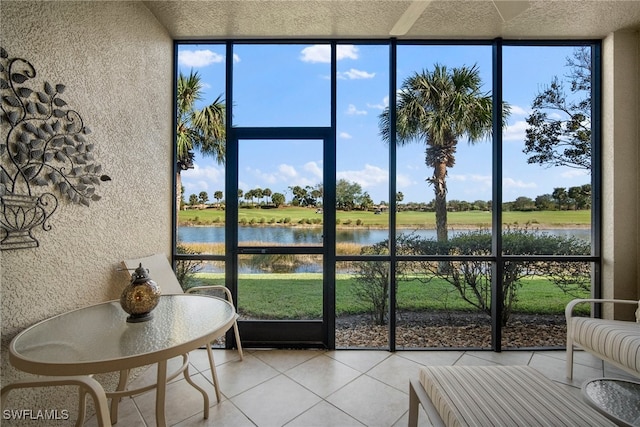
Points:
[[497, 259]]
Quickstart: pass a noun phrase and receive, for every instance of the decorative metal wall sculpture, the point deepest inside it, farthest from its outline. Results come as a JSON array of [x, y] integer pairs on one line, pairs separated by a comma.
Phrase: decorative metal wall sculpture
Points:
[[43, 146]]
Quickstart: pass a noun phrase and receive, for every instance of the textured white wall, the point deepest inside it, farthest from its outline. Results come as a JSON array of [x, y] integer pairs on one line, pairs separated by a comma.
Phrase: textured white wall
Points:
[[116, 62]]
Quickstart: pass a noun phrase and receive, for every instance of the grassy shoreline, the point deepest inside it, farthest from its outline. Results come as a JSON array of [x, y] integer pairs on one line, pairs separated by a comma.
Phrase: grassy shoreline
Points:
[[305, 217]]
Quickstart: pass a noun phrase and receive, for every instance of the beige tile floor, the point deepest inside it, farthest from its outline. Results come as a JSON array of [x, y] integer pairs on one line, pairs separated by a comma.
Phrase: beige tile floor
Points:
[[308, 388]]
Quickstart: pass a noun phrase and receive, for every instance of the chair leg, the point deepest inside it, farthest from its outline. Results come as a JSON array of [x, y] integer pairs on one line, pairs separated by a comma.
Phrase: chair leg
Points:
[[82, 407], [418, 396], [238, 343], [87, 385], [413, 406], [214, 374], [569, 357]]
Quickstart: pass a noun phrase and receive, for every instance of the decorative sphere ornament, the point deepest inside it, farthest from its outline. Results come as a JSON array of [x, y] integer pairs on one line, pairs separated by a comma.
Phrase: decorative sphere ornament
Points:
[[140, 296]]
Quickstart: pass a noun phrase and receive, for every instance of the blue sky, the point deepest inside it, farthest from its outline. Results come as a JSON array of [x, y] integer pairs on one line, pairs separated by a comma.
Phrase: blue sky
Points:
[[289, 85]]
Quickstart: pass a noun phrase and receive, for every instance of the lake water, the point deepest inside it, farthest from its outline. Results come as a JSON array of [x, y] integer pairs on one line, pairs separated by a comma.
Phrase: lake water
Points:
[[313, 236]]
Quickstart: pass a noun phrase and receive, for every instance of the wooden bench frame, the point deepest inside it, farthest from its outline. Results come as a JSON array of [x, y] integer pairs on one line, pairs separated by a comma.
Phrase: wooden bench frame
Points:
[[417, 397]]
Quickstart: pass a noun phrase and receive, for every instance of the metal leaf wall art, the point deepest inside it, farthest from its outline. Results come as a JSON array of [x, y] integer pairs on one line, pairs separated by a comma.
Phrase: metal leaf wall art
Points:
[[44, 150]]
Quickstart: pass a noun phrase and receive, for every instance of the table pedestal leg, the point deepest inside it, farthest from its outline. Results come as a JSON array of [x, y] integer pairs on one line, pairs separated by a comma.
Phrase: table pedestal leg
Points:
[[214, 374], [161, 392], [205, 396], [115, 401]]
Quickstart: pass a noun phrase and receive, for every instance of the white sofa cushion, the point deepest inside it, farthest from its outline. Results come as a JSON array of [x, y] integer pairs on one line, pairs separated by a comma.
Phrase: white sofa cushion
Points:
[[503, 396], [614, 340]]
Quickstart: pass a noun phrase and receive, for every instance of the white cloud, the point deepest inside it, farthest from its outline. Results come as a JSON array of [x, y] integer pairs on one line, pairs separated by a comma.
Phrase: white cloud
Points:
[[313, 169], [404, 181], [260, 178], [354, 74], [287, 171], [368, 177], [265, 177], [468, 187], [344, 135], [236, 57], [519, 111], [381, 106], [471, 178], [510, 183], [575, 173], [210, 173], [322, 53], [199, 58], [353, 111], [209, 178], [515, 131]]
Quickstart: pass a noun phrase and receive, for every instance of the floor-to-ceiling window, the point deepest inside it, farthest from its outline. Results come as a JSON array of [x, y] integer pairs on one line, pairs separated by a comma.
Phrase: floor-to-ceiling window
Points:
[[393, 194]]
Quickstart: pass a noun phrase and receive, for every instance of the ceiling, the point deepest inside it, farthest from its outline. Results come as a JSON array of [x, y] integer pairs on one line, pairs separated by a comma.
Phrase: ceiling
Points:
[[404, 19]]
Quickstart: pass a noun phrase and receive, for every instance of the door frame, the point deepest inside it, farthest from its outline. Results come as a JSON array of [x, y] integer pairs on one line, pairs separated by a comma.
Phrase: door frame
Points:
[[282, 333]]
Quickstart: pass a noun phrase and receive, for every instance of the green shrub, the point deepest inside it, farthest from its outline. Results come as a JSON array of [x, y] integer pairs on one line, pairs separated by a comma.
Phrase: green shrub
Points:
[[186, 269], [471, 279]]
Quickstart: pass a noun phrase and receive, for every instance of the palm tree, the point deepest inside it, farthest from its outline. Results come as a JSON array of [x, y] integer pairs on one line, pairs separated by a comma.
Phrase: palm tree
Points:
[[204, 129], [438, 108]]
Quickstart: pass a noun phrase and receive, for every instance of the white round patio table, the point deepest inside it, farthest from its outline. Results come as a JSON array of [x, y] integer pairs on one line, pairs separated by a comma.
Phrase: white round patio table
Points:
[[618, 399], [98, 339]]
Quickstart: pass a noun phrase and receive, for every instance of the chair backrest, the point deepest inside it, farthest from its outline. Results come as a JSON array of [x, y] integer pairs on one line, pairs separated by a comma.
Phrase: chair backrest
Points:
[[160, 271]]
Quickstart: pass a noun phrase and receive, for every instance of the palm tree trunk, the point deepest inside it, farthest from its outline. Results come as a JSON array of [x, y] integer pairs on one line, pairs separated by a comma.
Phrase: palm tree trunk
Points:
[[178, 191], [440, 189]]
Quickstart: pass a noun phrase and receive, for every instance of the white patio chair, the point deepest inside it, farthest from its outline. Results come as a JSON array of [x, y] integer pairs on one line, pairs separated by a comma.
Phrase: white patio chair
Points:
[[161, 272], [85, 384]]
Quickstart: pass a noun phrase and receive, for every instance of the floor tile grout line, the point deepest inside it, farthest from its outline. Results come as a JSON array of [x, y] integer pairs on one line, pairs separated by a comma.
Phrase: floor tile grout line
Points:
[[533, 358]]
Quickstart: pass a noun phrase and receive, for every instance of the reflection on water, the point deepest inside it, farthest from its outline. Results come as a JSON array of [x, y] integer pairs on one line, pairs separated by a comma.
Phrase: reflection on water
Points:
[[312, 236]]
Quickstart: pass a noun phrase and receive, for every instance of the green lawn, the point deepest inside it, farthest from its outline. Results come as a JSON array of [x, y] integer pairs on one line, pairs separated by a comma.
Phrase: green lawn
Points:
[[308, 216], [299, 296]]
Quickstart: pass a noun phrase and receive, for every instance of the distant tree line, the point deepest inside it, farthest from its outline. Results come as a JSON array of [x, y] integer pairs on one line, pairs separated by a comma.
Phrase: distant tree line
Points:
[[349, 196]]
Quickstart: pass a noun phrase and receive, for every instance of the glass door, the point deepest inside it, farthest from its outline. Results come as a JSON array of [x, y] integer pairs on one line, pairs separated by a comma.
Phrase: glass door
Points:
[[279, 237]]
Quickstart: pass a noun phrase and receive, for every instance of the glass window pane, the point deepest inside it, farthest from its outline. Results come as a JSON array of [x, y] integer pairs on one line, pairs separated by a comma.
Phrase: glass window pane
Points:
[[536, 294], [281, 85], [362, 191], [192, 273], [200, 178], [444, 165], [443, 305], [280, 192], [280, 287], [362, 304], [547, 146]]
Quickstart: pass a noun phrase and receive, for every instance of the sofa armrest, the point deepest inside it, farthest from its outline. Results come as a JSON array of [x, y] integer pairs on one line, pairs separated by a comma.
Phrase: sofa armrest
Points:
[[568, 312]]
